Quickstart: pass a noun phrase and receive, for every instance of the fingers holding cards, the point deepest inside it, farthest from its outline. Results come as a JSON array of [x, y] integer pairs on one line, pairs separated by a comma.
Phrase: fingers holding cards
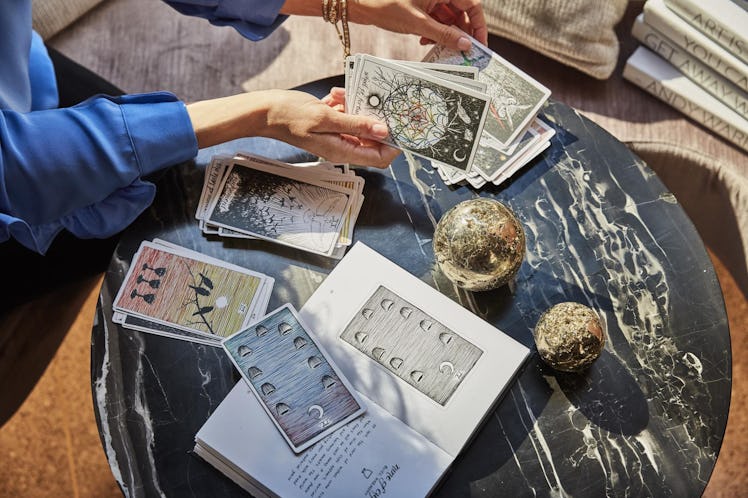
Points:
[[427, 115]]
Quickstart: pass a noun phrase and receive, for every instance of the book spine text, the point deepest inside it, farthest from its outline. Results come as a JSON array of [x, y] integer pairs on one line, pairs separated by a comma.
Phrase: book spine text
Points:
[[659, 17], [721, 20], [696, 71], [687, 106]]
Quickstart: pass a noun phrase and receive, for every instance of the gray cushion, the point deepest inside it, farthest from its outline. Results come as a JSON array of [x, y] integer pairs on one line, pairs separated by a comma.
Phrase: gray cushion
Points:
[[52, 16]]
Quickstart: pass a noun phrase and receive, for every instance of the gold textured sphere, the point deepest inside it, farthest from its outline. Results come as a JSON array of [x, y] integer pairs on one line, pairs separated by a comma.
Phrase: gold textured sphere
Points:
[[569, 336], [479, 244]]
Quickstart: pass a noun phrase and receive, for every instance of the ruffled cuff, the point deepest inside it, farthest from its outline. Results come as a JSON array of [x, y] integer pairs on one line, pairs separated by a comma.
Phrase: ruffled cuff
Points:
[[161, 142]]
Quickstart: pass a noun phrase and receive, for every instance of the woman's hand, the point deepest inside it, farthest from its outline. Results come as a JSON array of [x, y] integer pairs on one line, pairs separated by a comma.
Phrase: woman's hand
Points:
[[297, 118], [435, 21]]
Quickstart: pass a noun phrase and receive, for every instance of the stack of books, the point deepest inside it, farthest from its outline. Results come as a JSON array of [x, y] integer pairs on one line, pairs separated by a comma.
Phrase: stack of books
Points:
[[695, 58]]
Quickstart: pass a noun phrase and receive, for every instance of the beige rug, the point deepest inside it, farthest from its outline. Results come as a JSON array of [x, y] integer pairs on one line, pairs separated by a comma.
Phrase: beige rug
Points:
[[145, 45]]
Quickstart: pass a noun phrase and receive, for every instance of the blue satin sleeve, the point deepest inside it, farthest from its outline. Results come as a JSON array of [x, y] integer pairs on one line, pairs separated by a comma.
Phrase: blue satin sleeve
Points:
[[80, 168], [253, 19]]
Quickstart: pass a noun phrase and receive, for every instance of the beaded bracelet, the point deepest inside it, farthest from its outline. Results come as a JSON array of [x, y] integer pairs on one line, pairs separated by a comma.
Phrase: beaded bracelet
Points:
[[332, 10]]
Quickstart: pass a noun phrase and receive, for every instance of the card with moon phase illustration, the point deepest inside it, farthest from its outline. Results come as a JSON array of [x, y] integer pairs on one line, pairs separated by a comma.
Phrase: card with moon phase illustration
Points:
[[427, 115], [411, 344], [300, 389]]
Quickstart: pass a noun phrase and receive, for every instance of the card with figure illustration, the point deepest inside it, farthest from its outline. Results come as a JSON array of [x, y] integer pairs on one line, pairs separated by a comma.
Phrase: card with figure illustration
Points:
[[426, 115], [328, 172], [516, 97], [283, 205], [294, 379], [169, 287]]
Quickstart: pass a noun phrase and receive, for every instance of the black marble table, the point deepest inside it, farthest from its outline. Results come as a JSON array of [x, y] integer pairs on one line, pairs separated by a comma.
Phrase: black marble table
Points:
[[647, 419]]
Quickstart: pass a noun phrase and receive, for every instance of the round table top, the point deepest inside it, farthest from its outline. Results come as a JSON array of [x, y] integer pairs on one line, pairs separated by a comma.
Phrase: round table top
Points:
[[647, 418]]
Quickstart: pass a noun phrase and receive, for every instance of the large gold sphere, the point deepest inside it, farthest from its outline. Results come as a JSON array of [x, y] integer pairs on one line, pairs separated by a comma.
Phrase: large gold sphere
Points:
[[479, 244]]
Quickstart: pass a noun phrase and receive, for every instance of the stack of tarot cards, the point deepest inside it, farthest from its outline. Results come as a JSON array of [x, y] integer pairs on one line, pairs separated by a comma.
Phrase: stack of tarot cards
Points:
[[309, 206], [472, 114], [173, 291]]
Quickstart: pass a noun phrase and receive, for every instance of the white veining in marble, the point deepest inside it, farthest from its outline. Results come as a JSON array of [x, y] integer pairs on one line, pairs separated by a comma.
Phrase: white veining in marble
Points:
[[542, 448], [140, 406], [100, 394], [410, 218]]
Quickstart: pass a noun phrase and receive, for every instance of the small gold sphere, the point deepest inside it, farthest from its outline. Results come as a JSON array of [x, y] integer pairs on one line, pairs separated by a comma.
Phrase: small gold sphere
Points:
[[569, 337]]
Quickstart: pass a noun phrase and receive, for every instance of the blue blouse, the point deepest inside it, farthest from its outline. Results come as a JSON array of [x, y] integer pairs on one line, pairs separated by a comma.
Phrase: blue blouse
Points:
[[80, 168]]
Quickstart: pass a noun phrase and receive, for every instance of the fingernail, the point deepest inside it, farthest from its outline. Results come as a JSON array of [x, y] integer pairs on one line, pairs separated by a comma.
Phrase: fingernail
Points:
[[464, 43], [379, 130]]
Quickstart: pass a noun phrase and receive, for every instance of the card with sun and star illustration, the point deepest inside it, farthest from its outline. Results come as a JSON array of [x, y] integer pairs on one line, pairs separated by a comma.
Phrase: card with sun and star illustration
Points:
[[430, 114]]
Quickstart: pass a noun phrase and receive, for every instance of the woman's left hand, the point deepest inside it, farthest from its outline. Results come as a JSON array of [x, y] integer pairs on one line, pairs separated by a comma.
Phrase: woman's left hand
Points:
[[436, 21]]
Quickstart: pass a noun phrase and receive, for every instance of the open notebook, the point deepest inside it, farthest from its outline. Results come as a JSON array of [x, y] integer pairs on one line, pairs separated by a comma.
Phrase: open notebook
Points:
[[427, 369]]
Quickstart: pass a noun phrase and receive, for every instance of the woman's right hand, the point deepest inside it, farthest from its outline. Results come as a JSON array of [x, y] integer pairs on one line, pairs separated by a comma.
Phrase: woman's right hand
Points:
[[297, 118]]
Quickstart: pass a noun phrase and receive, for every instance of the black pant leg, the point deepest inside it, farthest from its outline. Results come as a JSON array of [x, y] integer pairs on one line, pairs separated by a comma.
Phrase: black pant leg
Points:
[[75, 83]]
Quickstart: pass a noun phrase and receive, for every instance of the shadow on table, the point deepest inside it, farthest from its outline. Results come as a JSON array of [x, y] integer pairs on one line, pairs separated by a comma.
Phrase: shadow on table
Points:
[[607, 395]]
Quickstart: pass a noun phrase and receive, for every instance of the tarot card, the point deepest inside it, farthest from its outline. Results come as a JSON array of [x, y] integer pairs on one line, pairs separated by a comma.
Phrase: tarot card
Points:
[[476, 85], [489, 162], [348, 65], [167, 287], [450, 175], [428, 116], [475, 180], [462, 72], [292, 376], [521, 162], [442, 71], [332, 173], [281, 205], [213, 175], [144, 325], [516, 97], [259, 306]]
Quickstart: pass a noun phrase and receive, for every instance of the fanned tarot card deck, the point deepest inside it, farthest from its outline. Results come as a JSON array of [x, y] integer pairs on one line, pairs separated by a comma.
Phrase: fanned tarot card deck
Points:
[[472, 115]]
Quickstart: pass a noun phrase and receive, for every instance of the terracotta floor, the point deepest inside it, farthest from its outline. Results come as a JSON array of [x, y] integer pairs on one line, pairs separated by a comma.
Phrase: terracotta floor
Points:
[[51, 446]]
